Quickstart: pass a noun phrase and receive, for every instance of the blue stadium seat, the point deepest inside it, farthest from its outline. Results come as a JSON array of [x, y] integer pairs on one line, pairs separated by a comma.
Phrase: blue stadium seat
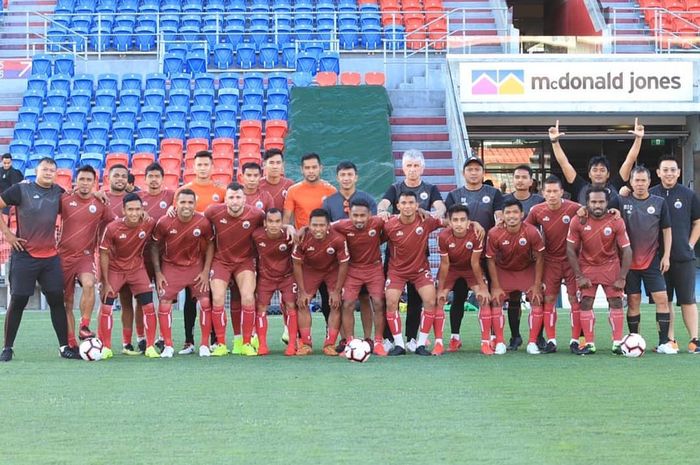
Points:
[[33, 99], [212, 34], [64, 64], [152, 115], [24, 131], [97, 130], [253, 81], [180, 81], [259, 35], [174, 130], [325, 21], [253, 112], [277, 81], [125, 20], [394, 37], [148, 130], [200, 113], [130, 98], [108, 81], [233, 34], [96, 160], [154, 97], [80, 98], [30, 174], [173, 64], [95, 146], [102, 115], [72, 130], [146, 145], [245, 55], [179, 97], [169, 21], [45, 147], [60, 82], [329, 61], [121, 145], [28, 115], [77, 115], [277, 96], [324, 37], [223, 128], [35, 158], [204, 81], [145, 37], [306, 62], [126, 115], [269, 56], [303, 20], [155, 81], [55, 37], [131, 81], [188, 33], [349, 37], [193, 21], [123, 130], [289, 56], [100, 38], [106, 98], [56, 98], [68, 147], [83, 82], [276, 112], [315, 49], [200, 130], [282, 35], [370, 20], [19, 149], [226, 112], [196, 62], [174, 113], [42, 65], [303, 34], [372, 37], [203, 97], [223, 56], [48, 130], [38, 83], [53, 115], [122, 38], [253, 97], [169, 33], [229, 81], [229, 96], [66, 160]]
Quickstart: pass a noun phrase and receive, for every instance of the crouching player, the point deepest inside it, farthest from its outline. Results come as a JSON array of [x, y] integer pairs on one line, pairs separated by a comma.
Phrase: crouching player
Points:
[[181, 252], [457, 245], [121, 264]]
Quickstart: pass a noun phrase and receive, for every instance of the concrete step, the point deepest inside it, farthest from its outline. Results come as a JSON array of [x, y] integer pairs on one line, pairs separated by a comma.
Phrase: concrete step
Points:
[[418, 137], [423, 146], [419, 120], [412, 112], [446, 166], [418, 129], [428, 154]]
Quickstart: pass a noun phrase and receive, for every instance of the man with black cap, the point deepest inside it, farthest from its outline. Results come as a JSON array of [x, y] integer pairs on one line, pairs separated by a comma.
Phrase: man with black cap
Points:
[[8, 177]]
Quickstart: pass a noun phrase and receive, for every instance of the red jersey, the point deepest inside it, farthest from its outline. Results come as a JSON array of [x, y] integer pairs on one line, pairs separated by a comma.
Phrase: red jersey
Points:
[[514, 251], [116, 205], [260, 200], [554, 225], [322, 255], [180, 242], [598, 240], [234, 242], [157, 205], [274, 255], [363, 244], [126, 244], [81, 223], [278, 192], [408, 242], [459, 249]]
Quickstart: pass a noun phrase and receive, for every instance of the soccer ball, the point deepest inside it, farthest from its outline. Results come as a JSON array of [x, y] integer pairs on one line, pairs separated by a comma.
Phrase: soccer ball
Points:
[[633, 345], [358, 350], [91, 349]]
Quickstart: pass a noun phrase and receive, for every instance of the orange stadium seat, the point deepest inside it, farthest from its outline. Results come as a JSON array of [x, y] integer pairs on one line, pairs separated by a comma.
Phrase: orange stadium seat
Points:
[[273, 143], [276, 128], [432, 4], [64, 178], [367, 2], [375, 78], [171, 146], [350, 78], [195, 145], [171, 180], [326, 78], [674, 5], [222, 145], [249, 159], [140, 161], [250, 129], [223, 160], [188, 176], [170, 163], [248, 147], [692, 5], [392, 18], [222, 175], [115, 159], [411, 6]]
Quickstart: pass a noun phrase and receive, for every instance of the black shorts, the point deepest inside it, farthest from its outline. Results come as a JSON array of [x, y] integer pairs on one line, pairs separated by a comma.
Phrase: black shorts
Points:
[[681, 279], [26, 270], [652, 277]]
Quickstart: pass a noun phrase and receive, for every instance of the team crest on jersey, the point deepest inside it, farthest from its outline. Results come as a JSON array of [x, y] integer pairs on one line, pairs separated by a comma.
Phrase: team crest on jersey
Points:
[[92, 209], [651, 210], [607, 231], [142, 234], [419, 230], [423, 196], [215, 197], [566, 219], [163, 204], [330, 250], [284, 193], [486, 199], [463, 200], [197, 232], [522, 241], [246, 224], [678, 203], [259, 204], [283, 247], [469, 245], [372, 233]]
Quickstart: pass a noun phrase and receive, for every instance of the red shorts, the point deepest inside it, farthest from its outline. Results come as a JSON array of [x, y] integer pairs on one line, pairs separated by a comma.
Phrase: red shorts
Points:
[[554, 273], [313, 279], [227, 272], [419, 279], [453, 275], [73, 267], [137, 280], [602, 275], [178, 278], [372, 277], [266, 287], [512, 281]]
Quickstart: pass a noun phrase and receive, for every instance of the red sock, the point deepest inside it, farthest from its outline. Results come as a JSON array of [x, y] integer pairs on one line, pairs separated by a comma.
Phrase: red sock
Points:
[[575, 317], [497, 322], [165, 321], [127, 334], [427, 320], [261, 328], [248, 322], [104, 325], [588, 325], [550, 321], [285, 313], [393, 319], [150, 323], [305, 336], [535, 322], [617, 323], [205, 321], [84, 322], [292, 327], [439, 324], [485, 322], [72, 342], [218, 321], [331, 337], [236, 316]]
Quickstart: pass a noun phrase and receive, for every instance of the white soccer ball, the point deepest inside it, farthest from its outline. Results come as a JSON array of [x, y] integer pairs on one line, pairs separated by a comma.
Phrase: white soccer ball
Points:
[[91, 349], [633, 345], [358, 350]]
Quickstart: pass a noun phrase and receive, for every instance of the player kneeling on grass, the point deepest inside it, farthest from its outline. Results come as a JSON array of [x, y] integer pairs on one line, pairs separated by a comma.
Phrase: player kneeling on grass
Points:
[[181, 253], [457, 245], [121, 264], [275, 274], [593, 248], [516, 263], [320, 257]]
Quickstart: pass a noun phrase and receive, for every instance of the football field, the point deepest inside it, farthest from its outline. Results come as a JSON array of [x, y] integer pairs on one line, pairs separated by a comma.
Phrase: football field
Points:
[[458, 408]]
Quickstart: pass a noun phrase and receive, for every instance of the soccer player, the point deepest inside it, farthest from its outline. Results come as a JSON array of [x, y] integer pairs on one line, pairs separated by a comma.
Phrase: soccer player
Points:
[[553, 218], [684, 208], [181, 254], [274, 182], [407, 235], [516, 263], [594, 248], [251, 173], [82, 217], [485, 204], [34, 255], [275, 273], [9, 176], [121, 264], [320, 257], [117, 178], [363, 234], [428, 197], [647, 218], [457, 245]]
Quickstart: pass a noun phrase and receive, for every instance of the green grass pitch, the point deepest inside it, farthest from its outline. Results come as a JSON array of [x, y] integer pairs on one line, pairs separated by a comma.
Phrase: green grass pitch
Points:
[[460, 408]]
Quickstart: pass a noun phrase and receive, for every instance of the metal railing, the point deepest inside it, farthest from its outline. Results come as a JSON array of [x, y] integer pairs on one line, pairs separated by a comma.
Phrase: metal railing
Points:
[[457, 126], [665, 39]]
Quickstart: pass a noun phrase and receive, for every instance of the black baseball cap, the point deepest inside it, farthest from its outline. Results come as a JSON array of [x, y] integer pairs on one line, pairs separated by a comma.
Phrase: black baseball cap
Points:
[[473, 160]]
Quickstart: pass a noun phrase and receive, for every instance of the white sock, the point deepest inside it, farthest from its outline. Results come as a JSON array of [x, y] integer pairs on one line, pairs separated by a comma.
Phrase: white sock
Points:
[[398, 341], [438, 340], [455, 337], [422, 338]]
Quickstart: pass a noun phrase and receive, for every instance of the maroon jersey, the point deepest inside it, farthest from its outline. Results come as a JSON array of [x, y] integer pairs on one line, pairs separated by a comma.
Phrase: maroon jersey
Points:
[[363, 244], [322, 255], [598, 240], [555, 226], [181, 243], [116, 206], [514, 251], [408, 242], [261, 200], [278, 192], [157, 205], [81, 223], [126, 244], [234, 242], [274, 255], [459, 249]]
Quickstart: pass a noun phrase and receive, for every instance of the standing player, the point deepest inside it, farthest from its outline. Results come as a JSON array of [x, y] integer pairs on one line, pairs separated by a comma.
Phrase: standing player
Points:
[[320, 257], [647, 218], [363, 234], [82, 217], [34, 255], [516, 263], [684, 207], [275, 273], [251, 173], [407, 235], [274, 182], [121, 264], [553, 218], [597, 245], [181, 254], [457, 245]]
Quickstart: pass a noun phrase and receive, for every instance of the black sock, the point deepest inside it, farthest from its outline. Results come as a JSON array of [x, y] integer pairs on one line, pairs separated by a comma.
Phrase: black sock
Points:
[[58, 316], [459, 296], [663, 321], [633, 322], [514, 318], [190, 316], [13, 318], [414, 305], [325, 301]]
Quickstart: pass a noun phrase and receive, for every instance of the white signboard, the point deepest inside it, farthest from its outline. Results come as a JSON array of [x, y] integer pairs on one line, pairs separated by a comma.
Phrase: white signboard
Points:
[[601, 81]]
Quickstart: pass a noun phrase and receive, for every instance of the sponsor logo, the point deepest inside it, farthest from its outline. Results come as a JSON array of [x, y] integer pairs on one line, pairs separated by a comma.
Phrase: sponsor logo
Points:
[[587, 228], [262, 244], [463, 200], [546, 218], [651, 210], [122, 236], [522, 241], [452, 245], [498, 82], [173, 231], [73, 203], [350, 234], [399, 234], [311, 249], [92, 209], [223, 221], [506, 242], [284, 193], [197, 232], [36, 196], [607, 231]]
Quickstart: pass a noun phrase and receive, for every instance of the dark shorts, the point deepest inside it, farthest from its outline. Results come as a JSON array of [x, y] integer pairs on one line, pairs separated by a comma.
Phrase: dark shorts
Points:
[[73, 267], [652, 277], [26, 271], [680, 278]]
